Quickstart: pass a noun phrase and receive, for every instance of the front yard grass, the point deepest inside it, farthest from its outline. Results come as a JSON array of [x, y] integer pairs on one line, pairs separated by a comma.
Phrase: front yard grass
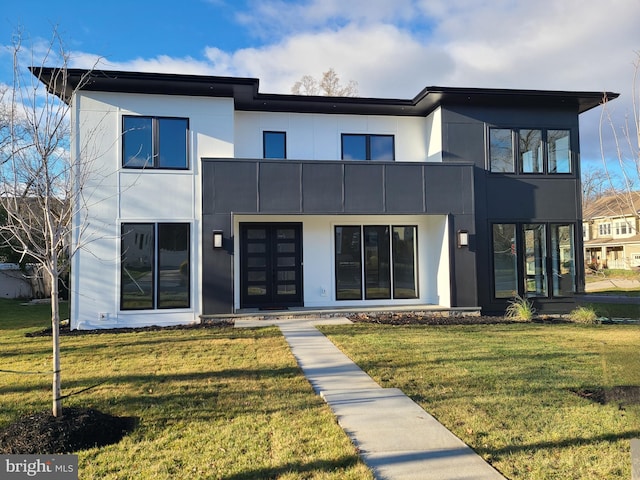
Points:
[[210, 403], [508, 391]]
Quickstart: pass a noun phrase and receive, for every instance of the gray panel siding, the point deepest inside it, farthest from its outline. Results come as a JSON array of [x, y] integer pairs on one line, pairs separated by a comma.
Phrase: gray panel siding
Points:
[[404, 190], [229, 186], [364, 188], [322, 188], [280, 187]]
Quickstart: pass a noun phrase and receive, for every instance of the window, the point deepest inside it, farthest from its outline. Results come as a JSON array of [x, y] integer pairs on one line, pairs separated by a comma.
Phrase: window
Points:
[[381, 258], [529, 151], [155, 266], [621, 228], [274, 144], [604, 229], [368, 147], [155, 142], [533, 260]]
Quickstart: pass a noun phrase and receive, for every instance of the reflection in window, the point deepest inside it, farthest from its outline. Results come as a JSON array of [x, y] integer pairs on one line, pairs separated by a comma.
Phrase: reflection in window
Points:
[[368, 147], [535, 258], [274, 144], [348, 263], [377, 262], [531, 151], [563, 261], [558, 151], [505, 260], [154, 142], [155, 268], [405, 283], [501, 150]]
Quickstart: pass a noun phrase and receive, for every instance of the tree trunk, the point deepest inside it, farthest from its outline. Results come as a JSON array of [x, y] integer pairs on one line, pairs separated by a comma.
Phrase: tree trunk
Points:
[[55, 328]]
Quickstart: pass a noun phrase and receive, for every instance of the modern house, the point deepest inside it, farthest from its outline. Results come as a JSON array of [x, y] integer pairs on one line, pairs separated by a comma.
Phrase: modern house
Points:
[[209, 197], [610, 232]]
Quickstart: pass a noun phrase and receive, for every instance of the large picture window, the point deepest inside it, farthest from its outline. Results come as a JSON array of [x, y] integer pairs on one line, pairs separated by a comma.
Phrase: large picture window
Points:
[[381, 258], [155, 266], [368, 147], [155, 142], [530, 151], [521, 254]]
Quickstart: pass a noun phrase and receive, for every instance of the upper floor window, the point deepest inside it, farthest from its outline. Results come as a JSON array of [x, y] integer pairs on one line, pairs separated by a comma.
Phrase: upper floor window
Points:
[[529, 151], [368, 147], [604, 229], [621, 228], [274, 144], [155, 142]]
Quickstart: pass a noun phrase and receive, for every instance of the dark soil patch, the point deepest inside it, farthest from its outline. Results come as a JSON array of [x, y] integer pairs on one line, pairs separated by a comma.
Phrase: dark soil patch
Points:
[[622, 395], [426, 318], [65, 330], [77, 429]]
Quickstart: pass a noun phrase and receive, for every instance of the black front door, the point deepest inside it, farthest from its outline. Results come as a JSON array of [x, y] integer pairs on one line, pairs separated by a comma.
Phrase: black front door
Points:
[[270, 265]]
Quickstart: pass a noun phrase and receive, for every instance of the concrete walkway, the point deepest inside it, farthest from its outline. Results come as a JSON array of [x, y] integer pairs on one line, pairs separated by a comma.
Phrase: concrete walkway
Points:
[[396, 438]]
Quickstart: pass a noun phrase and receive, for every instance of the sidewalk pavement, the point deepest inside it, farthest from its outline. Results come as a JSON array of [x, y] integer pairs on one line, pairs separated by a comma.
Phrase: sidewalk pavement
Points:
[[396, 438]]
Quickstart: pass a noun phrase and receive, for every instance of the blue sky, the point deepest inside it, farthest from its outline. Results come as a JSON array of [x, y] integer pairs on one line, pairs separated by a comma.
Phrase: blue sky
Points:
[[392, 48]]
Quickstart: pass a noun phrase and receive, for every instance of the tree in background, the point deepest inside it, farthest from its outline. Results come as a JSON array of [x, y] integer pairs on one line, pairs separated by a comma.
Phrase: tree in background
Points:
[[329, 85], [41, 183]]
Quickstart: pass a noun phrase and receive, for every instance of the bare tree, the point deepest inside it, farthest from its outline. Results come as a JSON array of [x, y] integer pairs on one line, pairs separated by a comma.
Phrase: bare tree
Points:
[[329, 85], [41, 183], [625, 138], [596, 183]]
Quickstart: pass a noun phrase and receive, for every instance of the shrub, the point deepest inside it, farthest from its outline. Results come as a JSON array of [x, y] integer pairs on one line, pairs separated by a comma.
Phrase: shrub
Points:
[[520, 309], [584, 314]]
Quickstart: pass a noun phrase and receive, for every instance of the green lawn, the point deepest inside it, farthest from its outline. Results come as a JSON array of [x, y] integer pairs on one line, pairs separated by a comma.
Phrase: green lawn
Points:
[[211, 403], [506, 390]]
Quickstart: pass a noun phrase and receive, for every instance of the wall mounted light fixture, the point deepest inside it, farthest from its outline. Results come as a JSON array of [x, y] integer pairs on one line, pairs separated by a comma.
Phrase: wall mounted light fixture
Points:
[[217, 239], [463, 238]]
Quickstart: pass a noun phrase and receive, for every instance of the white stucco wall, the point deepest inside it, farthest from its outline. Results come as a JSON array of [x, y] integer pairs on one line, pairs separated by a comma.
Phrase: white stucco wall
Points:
[[318, 137], [318, 250], [117, 195]]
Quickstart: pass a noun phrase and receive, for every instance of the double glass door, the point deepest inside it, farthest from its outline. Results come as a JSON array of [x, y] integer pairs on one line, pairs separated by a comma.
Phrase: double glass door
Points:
[[270, 265]]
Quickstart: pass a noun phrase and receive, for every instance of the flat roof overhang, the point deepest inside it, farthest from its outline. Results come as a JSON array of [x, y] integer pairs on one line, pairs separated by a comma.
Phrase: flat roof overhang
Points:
[[246, 97]]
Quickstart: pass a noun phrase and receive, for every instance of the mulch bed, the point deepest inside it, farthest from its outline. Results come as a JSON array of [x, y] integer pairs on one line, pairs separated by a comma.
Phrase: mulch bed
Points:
[[422, 318], [76, 429], [622, 395], [66, 331]]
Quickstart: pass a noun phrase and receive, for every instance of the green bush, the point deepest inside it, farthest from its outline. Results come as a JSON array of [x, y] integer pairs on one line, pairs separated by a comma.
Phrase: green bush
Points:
[[584, 314]]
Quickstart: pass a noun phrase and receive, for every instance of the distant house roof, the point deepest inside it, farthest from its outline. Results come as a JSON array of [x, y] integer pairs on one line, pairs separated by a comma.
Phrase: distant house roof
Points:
[[623, 204], [246, 96]]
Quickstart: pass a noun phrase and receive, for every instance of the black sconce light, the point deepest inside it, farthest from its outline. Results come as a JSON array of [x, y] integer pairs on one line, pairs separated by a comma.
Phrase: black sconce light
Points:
[[217, 239]]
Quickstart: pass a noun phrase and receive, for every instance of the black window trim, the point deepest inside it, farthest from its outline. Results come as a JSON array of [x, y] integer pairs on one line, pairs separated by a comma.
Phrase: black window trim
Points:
[[155, 143], [368, 144], [264, 143], [515, 146], [155, 280]]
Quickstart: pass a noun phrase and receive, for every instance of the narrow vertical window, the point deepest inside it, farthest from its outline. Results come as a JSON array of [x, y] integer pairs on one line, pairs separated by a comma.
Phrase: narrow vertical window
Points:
[[354, 147], [501, 150], [137, 266], [137, 142], [173, 265], [505, 264], [377, 262], [530, 149], [535, 259], [274, 144], [563, 260], [172, 143], [405, 284], [559, 151], [381, 147], [348, 263]]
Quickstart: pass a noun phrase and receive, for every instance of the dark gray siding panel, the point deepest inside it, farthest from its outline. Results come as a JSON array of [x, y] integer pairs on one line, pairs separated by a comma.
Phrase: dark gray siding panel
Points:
[[322, 188], [364, 188], [217, 266], [404, 188], [229, 186], [448, 190], [279, 187], [464, 141]]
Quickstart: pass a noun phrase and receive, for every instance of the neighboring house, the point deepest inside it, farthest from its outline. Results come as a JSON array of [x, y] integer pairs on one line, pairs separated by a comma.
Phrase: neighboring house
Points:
[[13, 282], [213, 198], [610, 232]]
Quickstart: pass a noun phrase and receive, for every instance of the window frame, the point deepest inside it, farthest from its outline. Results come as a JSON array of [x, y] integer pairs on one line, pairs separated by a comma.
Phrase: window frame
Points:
[[265, 133], [544, 150], [155, 264], [156, 151], [393, 287], [367, 138]]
